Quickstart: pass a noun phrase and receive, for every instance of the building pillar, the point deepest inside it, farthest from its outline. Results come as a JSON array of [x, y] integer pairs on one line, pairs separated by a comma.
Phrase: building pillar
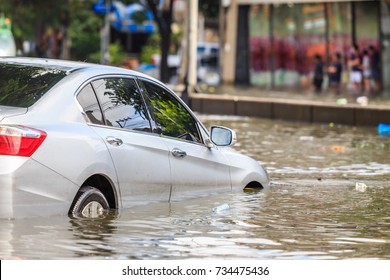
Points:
[[242, 54], [228, 50]]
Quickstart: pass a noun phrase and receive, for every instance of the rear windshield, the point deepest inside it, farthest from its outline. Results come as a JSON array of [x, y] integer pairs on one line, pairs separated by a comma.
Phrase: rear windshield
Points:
[[23, 85]]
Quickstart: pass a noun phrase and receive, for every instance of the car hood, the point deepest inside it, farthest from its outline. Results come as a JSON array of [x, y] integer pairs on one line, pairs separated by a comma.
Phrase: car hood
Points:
[[11, 111]]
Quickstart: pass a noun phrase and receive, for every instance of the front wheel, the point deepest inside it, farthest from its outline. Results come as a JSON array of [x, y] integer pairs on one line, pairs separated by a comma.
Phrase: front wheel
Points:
[[89, 203]]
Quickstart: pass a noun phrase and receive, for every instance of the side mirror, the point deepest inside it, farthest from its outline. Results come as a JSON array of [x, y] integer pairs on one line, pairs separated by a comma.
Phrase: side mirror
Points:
[[222, 136]]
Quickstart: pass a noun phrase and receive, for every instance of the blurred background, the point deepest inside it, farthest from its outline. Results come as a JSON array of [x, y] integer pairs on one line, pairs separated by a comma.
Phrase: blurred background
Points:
[[266, 44]]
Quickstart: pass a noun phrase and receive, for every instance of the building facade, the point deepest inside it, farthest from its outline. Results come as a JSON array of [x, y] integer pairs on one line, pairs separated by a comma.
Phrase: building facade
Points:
[[272, 43]]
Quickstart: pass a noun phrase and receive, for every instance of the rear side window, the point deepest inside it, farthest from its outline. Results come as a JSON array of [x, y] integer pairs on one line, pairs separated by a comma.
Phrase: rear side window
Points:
[[88, 101], [122, 103], [23, 85]]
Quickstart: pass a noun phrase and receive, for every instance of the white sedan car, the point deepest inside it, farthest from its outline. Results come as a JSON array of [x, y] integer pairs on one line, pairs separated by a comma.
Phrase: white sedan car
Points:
[[78, 138]]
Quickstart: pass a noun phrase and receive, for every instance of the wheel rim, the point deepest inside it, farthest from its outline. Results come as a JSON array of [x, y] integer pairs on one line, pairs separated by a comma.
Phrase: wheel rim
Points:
[[93, 210]]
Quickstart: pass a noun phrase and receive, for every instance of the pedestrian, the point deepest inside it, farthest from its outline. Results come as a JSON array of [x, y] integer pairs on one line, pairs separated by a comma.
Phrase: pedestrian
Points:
[[318, 75], [366, 71], [334, 73], [355, 68], [375, 69]]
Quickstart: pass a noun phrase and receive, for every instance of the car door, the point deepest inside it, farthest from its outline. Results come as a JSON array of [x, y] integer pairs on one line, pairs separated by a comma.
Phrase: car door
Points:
[[140, 157], [195, 168]]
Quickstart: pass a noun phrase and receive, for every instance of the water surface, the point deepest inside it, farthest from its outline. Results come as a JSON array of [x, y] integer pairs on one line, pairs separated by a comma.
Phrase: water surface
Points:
[[314, 210]]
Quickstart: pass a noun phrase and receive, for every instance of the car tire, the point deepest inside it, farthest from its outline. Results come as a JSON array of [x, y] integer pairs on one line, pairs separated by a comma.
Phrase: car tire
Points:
[[89, 203]]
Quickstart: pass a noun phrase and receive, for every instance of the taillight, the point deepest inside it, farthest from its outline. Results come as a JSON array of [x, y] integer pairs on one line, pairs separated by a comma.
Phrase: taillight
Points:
[[18, 140]]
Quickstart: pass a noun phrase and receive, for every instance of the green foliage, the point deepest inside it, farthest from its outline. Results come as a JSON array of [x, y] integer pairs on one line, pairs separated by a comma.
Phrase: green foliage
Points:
[[94, 57], [152, 47], [84, 31], [117, 55], [29, 18], [147, 52]]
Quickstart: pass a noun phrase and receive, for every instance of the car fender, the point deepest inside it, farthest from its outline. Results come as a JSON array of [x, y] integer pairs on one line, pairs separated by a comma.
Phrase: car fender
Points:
[[244, 170]]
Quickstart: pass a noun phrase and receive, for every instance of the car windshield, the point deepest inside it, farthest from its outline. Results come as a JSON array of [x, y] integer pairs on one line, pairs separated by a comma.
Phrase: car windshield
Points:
[[23, 85]]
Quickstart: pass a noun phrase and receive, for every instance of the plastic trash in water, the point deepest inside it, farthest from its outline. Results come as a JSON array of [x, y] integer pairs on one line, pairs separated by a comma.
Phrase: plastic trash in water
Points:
[[362, 100], [306, 138], [220, 208], [341, 101], [335, 148], [360, 187], [384, 129]]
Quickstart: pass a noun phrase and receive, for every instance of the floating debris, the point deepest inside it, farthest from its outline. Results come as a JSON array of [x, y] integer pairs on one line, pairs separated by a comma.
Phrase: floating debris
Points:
[[220, 208], [306, 138], [362, 100], [384, 129], [280, 184], [341, 101], [360, 187], [335, 148]]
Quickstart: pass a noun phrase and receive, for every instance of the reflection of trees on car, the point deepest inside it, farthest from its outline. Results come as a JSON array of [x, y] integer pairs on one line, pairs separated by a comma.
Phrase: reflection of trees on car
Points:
[[172, 118], [22, 86], [173, 121], [122, 103], [125, 92]]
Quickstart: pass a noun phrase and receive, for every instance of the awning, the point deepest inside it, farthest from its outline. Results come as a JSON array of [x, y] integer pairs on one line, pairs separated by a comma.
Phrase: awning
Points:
[[122, 17]]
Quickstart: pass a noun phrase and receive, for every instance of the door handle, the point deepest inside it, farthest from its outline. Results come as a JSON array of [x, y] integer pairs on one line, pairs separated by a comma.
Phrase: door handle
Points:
[[178, 153], [114, 141]]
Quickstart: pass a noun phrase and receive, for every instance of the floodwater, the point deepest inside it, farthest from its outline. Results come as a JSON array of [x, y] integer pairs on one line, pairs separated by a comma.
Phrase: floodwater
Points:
[[330, 200]]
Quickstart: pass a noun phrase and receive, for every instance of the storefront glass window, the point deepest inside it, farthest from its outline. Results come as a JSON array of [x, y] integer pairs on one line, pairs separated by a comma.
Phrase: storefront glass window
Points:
[[339, 20], [260, 46], [285, 38], [385, 50], [340, 32], [367, 24], [285, 30], [299, 34]]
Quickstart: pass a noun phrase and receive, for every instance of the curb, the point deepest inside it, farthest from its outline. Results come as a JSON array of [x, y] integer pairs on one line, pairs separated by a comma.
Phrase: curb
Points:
[[291, 110]]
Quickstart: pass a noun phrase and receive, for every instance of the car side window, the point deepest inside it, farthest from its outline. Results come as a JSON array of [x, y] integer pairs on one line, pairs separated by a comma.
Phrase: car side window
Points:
[[122, 103], [90, 105], [172, 118]]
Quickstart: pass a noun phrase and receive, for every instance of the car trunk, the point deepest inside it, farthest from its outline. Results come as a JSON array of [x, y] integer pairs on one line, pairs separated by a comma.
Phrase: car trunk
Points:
[[6, 111]]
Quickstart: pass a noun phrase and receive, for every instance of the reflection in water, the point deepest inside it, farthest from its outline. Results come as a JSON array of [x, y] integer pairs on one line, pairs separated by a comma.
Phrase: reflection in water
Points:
[[312, 211], [93, 235]]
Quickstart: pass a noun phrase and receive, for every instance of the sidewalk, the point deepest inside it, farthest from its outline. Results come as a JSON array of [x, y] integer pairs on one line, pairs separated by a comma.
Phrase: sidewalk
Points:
[[305, 95], [294, 106]]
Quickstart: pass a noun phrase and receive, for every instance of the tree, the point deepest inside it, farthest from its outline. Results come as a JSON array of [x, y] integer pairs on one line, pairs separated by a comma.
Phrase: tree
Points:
[[163, 18], [30, 18], [84, 30]]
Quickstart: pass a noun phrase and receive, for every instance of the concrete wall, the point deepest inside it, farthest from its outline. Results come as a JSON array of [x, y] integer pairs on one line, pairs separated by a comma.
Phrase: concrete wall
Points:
[[228, 48], [300, 111]]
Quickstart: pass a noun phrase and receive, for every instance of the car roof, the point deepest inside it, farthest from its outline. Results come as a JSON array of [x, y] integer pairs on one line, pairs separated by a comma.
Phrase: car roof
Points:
[[70, 66]]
